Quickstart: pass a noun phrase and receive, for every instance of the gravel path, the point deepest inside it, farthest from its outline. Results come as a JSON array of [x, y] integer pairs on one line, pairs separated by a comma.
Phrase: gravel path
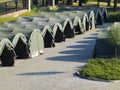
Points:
[[54, 70]]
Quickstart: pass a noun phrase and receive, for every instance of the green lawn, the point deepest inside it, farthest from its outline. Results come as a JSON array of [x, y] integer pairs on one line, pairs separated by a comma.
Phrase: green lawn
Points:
[[4, 1]]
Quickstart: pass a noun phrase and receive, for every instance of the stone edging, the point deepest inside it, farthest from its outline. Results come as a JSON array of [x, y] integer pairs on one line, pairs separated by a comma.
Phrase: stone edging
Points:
[[14, 14], [95, 79]]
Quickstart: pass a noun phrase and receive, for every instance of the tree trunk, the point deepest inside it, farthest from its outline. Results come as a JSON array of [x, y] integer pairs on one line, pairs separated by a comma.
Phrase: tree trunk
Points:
[[35, 2], [98, 2], [75, 0], [80, 2], [56, 2], [43, 3], [116, 52], [108, 2], [69, 2], [115, 5]]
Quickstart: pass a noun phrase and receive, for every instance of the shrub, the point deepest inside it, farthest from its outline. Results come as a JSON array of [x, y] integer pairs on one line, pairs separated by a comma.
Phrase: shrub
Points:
[[114, 16], [106, 69], [113, 36]]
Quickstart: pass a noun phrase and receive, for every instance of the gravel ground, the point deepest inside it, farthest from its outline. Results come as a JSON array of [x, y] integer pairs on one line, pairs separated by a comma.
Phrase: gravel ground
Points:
[[54, 70]]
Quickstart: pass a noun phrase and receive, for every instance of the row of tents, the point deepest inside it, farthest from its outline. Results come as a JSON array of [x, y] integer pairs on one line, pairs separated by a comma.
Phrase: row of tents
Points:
[[28, 36]]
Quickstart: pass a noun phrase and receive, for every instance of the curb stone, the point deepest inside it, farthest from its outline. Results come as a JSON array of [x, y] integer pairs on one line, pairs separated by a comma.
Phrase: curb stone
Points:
[[96, 79]]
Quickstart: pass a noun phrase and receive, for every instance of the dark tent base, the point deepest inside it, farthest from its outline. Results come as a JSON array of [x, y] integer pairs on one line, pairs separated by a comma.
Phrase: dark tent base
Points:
[[48, 40], [99, 20], [21, 50], [7, 57], [68, 32], [78, 29], [105, 17], [59, 37], [87, 26], [90, 24]]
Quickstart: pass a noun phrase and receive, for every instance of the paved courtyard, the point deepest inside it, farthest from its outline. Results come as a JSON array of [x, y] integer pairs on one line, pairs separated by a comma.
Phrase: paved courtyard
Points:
[[54, 70]]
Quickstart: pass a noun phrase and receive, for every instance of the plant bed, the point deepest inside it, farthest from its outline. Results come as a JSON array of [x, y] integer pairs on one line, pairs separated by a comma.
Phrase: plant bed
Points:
[[101, 70]]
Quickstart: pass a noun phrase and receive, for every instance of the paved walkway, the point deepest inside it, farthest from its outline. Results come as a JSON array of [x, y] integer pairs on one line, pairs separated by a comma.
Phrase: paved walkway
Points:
[[55, 69]]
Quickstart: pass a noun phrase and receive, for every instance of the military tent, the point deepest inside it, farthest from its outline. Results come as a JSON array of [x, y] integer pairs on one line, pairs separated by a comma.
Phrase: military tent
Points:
[[34, 40], [7, 53]]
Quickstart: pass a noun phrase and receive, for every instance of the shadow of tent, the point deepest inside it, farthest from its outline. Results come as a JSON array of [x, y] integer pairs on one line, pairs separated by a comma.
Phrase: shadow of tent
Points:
[[69, 58], [39, 73], [85, 41], [78, 54]]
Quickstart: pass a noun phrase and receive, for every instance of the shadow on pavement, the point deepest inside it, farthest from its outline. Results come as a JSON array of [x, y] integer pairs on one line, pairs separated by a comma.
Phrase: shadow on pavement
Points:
[[39, 73], [79, 53]]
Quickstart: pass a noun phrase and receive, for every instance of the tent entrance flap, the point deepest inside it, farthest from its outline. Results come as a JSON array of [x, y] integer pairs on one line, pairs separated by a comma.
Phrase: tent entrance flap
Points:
[[21, 50], [68, 32], [99, 20], [78, 29], [48, 40], [59, 37], [7, 57]]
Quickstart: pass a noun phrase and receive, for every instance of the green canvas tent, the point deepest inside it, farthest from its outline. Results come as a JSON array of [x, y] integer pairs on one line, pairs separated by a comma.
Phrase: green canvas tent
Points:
[[35, 41], [66, 23], [68, 28], [20, 46], [21, 19], [13, 25], [46, 33], [57, 30], [76, 21], [19, 43], [7, 53]]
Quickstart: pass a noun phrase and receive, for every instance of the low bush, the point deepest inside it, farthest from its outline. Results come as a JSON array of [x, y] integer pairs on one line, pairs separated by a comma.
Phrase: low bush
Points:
[[106, 69], [114, 17]]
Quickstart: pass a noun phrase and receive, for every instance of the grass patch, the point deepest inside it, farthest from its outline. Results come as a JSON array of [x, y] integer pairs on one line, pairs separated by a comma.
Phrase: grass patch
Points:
[[105, 69], [7, 19], [1, 1]]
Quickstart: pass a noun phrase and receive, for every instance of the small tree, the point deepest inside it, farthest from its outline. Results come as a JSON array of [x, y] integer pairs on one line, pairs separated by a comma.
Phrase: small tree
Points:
[[113, 36]]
